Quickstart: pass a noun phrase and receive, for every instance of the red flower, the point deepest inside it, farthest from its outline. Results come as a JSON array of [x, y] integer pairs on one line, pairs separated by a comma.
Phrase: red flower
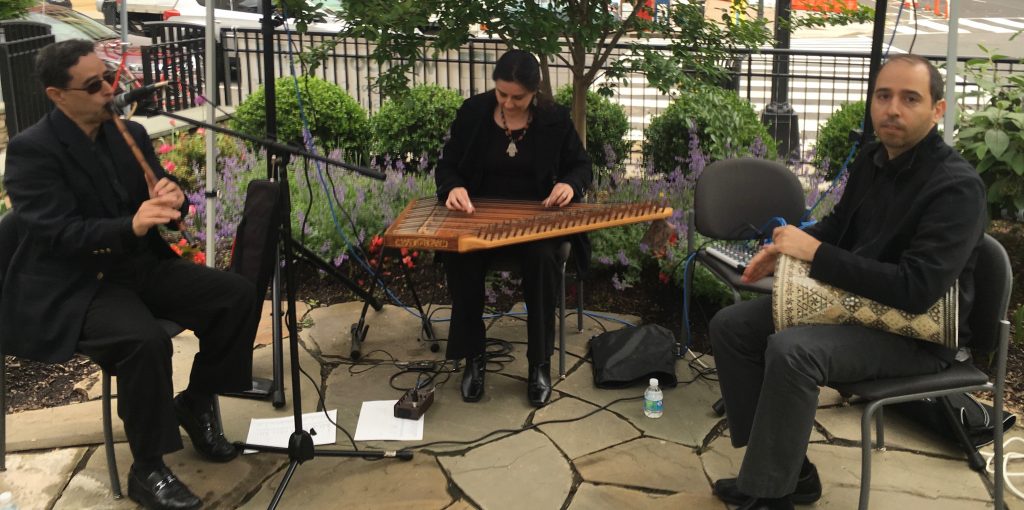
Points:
[[170, 166], [182, 243], [199, 257], [407, 260], [164, 149], [663, 278], [376, 243], [176, 249]]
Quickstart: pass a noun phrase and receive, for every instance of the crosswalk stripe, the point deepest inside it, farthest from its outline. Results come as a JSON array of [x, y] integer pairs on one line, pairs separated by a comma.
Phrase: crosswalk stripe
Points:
[[1004, 21], [923, 23], [984, 26]]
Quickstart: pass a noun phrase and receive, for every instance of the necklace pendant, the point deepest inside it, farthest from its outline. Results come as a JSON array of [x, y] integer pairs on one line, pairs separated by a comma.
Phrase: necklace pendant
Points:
[[512, 150]]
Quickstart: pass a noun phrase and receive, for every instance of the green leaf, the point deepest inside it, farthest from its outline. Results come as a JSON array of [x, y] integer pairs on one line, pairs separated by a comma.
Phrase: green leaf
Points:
[[985, 164], [997, 141]]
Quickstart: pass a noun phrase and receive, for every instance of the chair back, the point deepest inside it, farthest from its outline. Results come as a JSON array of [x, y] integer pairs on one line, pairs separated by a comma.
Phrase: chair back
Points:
[[735, 197], [993, 279]]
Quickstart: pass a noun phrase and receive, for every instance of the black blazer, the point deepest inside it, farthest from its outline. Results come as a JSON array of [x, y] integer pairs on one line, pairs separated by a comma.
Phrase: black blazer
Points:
[[561, 156], [70, 231]]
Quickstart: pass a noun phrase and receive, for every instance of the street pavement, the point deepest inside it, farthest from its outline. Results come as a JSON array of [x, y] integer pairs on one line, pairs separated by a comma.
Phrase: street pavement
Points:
[[582, 451]]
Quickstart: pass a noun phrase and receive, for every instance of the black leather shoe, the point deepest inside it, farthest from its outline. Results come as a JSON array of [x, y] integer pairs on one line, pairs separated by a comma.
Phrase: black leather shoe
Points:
[[539, 387], [767, 504], [161, 490], [808, 490], [204, 430], [473, 378]]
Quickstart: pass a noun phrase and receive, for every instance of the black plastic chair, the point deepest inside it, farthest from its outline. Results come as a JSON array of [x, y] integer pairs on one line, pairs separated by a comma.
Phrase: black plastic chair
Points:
[[732, 200], [993, 279], [8, 243]]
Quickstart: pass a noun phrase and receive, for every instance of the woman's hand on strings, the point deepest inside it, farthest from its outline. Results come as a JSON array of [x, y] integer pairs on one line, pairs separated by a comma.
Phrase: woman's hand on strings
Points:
[[458, 200], [560, 195]]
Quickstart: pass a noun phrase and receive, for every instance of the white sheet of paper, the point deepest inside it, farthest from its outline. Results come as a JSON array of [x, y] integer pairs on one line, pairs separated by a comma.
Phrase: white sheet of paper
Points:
[[377, 422], [277, 431]]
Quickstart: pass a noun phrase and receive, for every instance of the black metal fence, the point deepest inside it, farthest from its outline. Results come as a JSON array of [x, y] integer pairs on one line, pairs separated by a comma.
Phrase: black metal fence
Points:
[[24, 100], [819, 82]]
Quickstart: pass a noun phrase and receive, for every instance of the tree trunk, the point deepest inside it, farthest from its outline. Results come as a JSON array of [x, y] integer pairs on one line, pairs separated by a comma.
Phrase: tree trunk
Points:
[[579, 106]]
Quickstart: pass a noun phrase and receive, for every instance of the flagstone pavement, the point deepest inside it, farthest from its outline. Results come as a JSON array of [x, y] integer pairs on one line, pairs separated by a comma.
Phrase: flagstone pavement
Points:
[[581, 451]]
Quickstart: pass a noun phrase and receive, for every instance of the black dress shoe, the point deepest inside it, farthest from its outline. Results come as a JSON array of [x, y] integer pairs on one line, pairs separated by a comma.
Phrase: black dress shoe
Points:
[[159, 489], [539, 387], [808, 490], [204, 430], [473, 378], [767, 504]]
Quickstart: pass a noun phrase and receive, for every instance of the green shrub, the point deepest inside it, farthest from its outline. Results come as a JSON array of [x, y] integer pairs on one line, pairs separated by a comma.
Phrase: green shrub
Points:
[[834, 143], [607, 127], [413, 125], [184, 155], [992, 139], [336, 121], [725, 126]]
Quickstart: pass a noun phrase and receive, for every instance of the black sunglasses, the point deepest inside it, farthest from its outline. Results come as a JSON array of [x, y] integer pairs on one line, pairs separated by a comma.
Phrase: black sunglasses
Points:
[[96, 85]]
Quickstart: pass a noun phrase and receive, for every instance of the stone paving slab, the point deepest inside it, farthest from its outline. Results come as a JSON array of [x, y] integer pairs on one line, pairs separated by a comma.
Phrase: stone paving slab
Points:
[[646, 463], [504, 405], [324, 483], [218, 485], [605, 428], [606, 497], [522, 471], [36, 479], [900, 432], [895, 477]]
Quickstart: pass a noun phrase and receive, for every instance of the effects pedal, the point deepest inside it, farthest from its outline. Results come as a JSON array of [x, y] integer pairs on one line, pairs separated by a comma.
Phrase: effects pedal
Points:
[[413, 404]]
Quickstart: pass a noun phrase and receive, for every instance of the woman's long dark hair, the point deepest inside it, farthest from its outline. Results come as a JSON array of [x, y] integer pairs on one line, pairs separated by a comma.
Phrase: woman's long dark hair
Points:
[[521, 67]]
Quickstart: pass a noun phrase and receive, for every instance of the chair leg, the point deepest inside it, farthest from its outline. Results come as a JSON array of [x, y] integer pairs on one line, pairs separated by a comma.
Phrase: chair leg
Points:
[[880, 427], [3, 412], [579, 304], [974, 459], [865, 453], [108, 439], [561, 324]]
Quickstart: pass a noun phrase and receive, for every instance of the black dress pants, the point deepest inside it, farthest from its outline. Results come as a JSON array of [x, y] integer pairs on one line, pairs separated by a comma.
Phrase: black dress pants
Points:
[[538, 262], [122, 335], [769, 382]]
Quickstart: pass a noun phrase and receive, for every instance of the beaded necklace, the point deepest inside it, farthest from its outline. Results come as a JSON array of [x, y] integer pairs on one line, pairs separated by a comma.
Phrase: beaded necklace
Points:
[[512, 150]]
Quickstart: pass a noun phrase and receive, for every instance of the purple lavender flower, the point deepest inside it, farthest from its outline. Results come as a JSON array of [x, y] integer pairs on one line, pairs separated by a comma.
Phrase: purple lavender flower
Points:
[[340, 259], [644, 248], [623, 259], [604, 260]]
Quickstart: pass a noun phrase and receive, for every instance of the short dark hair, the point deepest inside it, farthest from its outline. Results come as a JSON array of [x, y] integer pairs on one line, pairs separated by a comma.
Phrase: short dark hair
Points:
[[53, 61], [936, 86], [520, 67]]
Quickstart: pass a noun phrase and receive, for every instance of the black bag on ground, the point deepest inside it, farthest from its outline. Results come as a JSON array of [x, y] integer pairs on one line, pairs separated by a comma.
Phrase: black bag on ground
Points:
[[974, 415], [633, 355]]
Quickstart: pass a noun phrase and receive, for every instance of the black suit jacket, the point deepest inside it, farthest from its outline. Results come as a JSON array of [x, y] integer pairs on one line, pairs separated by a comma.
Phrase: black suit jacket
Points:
[[70, 230]]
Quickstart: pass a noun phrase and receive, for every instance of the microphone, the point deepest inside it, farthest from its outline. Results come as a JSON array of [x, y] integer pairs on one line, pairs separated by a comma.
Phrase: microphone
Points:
[[121, 101]]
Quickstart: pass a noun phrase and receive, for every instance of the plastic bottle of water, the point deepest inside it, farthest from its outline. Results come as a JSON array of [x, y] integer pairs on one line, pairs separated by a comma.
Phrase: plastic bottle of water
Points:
[[654, 401], [7, 501]]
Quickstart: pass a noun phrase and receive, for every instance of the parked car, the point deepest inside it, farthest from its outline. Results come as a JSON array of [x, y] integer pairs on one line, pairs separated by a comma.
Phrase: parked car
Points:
[[70, 24]]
